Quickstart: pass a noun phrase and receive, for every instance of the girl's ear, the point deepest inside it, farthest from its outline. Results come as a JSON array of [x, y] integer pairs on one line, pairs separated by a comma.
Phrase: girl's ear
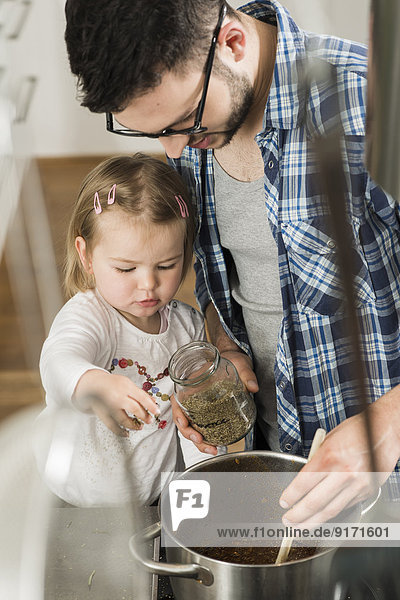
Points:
[[80, 245]]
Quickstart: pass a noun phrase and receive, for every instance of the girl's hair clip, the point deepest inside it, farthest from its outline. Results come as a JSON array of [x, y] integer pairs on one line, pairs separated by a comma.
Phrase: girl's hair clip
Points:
[[182, 206], [97, 205], [110, 199], [111, 194]]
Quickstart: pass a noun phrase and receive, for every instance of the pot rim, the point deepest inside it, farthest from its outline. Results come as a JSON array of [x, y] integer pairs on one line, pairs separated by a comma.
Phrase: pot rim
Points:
[[221, 457], [196, 556]]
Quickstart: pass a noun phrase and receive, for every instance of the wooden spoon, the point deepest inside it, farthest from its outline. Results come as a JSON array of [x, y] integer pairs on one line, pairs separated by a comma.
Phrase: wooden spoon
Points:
[[287, 541]]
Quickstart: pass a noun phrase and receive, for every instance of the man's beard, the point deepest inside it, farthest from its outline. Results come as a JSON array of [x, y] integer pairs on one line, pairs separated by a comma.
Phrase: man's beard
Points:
[[242, 95]]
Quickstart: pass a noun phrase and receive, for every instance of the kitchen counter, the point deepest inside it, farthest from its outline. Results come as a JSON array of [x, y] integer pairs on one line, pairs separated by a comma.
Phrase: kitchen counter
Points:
[[88, 556]]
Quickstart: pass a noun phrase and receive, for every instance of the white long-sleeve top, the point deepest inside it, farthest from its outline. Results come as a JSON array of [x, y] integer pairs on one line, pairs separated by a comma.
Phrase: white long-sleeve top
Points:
[[86, 334]]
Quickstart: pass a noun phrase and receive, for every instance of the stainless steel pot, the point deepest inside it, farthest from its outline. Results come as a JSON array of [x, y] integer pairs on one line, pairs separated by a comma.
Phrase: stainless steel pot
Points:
[[198, 577]]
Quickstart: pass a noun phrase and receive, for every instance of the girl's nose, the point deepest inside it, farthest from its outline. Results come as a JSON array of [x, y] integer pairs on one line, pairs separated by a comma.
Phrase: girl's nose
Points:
[[174, 144], [147, 280]]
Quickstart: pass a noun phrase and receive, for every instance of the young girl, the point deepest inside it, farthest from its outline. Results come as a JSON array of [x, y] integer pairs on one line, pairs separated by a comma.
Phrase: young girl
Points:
[[129, 247]]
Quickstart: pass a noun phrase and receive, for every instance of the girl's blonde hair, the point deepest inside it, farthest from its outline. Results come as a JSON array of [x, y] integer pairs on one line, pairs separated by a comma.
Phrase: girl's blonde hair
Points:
[[145, 187]]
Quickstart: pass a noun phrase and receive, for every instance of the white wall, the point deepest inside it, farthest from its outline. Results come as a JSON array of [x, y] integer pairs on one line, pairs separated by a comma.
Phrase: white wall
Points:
[[73, 129], [62, 127], [345, 18]]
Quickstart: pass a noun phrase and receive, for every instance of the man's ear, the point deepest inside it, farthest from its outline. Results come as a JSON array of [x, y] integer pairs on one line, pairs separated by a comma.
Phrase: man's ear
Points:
[[232, 41], [81, 248]]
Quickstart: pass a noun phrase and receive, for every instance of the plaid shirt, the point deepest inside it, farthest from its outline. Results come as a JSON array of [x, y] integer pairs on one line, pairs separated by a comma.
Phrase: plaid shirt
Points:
[[315, 384]]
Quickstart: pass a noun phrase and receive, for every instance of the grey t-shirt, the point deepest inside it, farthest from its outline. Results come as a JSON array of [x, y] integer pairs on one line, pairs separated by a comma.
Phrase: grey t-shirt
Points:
[[244, 230]]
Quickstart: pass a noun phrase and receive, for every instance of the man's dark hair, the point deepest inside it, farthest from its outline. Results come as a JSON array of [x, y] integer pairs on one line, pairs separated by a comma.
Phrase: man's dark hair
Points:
[[119, 49]]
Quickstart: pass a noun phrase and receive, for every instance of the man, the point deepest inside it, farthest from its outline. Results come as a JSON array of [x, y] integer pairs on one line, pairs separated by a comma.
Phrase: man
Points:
[[237, 100]]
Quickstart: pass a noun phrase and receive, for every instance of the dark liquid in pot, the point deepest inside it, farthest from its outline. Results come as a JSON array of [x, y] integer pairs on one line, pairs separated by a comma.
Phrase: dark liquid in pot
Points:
[[258, 462], [254, 556]]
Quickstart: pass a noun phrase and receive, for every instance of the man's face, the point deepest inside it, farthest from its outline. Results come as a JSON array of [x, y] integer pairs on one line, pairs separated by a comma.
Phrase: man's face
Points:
[[174, 103]]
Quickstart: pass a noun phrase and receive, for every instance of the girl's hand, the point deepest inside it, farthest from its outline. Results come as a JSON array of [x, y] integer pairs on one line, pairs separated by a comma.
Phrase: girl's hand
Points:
[[187, 431], [111, 397]]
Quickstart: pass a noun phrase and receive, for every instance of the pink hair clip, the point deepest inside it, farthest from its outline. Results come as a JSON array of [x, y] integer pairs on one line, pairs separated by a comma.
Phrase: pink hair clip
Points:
[[110, 199], [97, 205], [182, 206], [111, 194]]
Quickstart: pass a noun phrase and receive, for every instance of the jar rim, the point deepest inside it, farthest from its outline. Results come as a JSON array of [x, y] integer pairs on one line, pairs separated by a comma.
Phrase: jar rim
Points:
[[182, 351]]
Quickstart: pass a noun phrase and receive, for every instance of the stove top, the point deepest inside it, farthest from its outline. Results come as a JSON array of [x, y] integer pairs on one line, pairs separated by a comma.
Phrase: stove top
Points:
[[363, 591], [360, 590]]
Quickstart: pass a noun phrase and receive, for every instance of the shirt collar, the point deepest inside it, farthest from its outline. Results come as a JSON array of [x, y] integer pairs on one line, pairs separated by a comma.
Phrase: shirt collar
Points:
[[286, 99]]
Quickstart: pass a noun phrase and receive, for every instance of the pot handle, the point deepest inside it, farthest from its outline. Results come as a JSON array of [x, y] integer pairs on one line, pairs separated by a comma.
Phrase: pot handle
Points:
[[192, 570]]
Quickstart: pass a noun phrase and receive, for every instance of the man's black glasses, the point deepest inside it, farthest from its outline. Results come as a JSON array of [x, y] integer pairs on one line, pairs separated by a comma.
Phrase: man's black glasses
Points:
[[196, 128]]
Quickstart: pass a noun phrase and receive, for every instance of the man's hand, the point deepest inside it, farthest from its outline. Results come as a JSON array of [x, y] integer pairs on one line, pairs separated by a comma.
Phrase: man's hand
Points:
[[230, 350], [244, 367], [339, 474]]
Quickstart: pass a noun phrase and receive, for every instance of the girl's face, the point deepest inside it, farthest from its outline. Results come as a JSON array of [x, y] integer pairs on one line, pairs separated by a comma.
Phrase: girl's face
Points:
[[137, 266]]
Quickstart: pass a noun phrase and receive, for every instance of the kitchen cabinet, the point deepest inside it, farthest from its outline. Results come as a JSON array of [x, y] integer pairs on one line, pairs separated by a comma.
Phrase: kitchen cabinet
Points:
[[25, 240], [59, 126]]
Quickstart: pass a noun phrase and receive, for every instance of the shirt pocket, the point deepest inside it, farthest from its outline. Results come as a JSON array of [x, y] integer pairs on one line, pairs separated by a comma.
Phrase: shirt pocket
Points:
[[313, 265]]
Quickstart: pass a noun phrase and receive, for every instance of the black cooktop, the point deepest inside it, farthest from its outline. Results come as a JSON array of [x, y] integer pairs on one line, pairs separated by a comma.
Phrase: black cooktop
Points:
[[162, 589]]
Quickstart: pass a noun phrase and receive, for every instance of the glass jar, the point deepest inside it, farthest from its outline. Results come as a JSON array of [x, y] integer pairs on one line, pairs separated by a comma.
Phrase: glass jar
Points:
[[210, 393]]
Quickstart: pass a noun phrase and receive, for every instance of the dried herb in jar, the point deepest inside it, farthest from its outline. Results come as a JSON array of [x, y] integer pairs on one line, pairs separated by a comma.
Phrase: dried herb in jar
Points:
[[221, 413]]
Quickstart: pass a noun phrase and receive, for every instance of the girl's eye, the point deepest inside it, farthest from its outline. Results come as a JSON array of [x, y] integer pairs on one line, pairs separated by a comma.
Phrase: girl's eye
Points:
[[124, 270], [166, 267]]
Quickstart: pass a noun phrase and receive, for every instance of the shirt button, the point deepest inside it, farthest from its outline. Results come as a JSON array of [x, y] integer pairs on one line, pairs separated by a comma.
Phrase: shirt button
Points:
[[271, 164], [288, 447], [331, 244], [174, 304], [282, 385]]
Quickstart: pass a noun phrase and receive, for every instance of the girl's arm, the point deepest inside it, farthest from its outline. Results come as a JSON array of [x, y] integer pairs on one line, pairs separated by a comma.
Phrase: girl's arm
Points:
[[80, 341]]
